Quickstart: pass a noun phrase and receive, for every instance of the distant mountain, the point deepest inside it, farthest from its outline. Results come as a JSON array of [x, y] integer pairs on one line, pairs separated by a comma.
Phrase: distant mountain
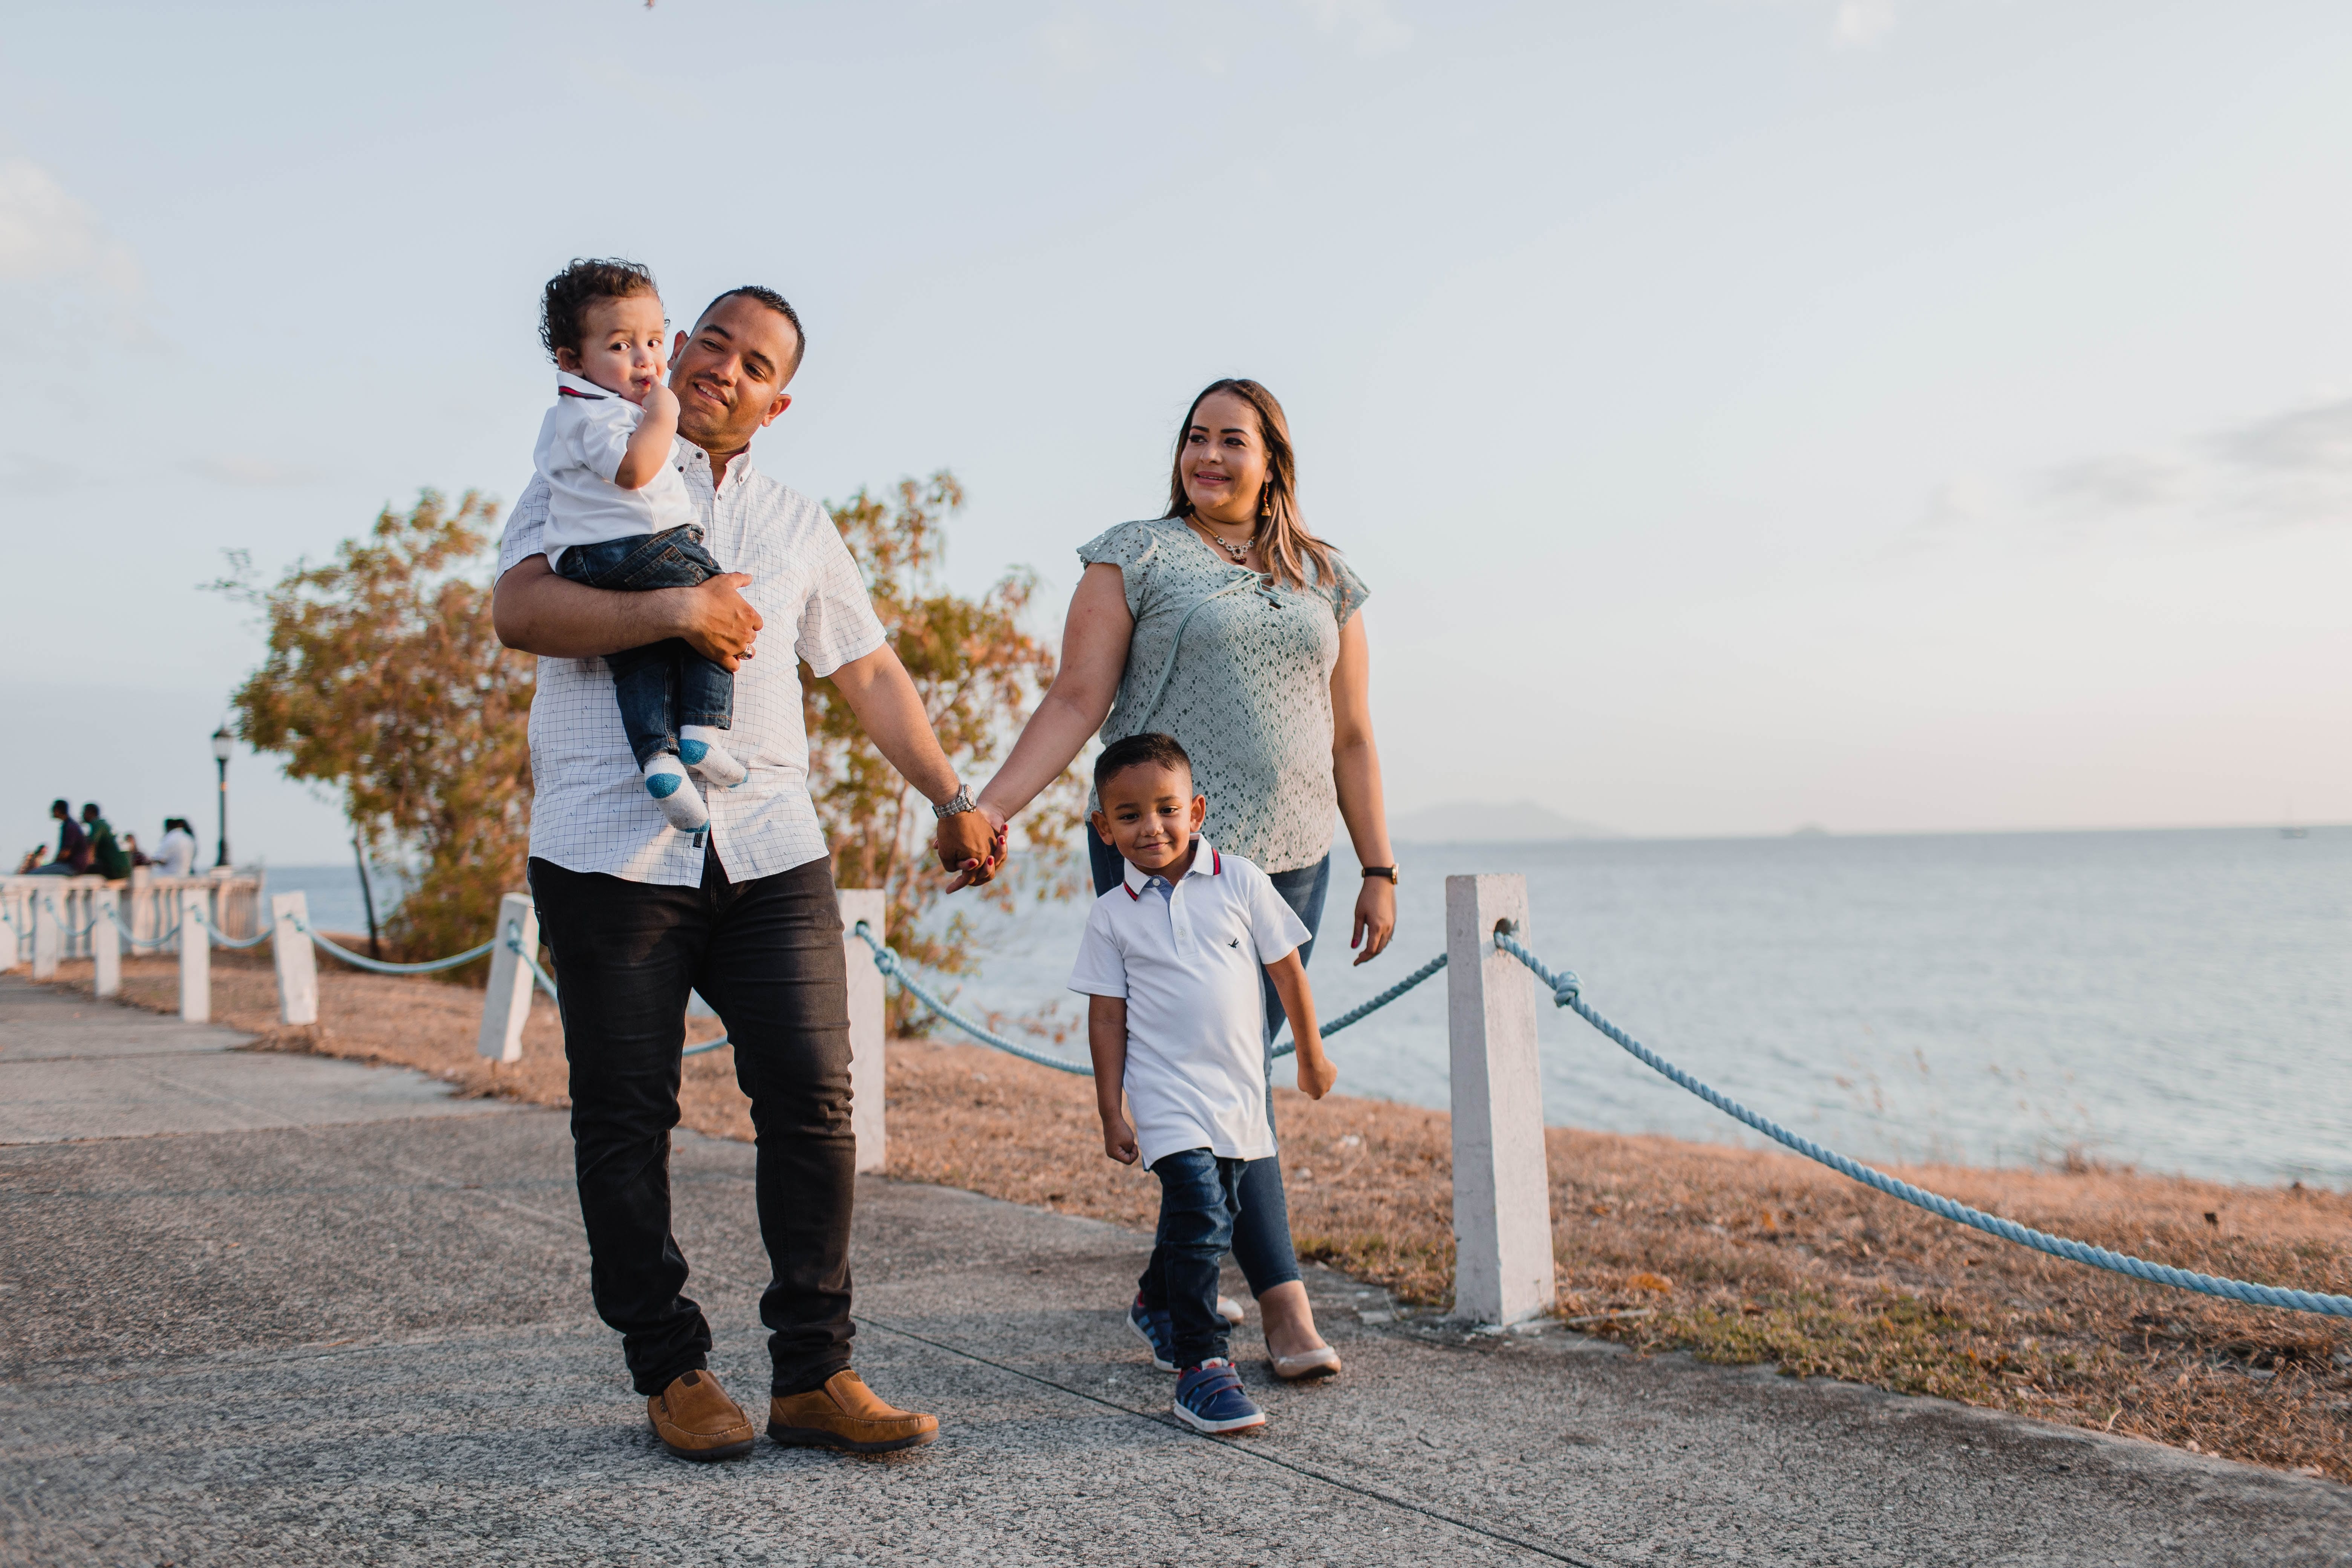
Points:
[[1474, 821]]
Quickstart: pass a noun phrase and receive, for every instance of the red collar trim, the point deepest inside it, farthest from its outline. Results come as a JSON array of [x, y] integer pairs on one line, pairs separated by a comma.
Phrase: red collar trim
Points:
[[574, 392]]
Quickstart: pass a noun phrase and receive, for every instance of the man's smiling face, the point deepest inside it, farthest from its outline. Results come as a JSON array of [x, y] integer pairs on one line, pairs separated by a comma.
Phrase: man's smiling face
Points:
[[730, 373]]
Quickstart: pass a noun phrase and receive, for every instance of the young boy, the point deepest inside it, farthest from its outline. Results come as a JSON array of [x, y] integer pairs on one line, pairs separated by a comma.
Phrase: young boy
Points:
[[618, 516], [1176, 1020]]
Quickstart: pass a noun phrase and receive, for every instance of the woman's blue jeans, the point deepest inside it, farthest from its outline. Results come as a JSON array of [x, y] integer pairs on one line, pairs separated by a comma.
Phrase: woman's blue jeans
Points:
[[1262, 1233]]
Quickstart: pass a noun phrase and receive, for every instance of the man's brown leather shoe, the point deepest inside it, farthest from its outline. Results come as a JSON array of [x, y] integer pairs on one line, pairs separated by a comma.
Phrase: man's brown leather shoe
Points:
[[695, 1420], [845, 1414]]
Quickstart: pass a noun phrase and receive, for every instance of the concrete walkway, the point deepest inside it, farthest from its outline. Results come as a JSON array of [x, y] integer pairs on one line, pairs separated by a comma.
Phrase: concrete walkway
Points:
[[72, 1067], [359, 1338]]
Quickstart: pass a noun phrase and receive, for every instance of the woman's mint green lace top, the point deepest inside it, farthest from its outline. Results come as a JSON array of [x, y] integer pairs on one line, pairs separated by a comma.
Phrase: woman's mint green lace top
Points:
[[1250, 695]]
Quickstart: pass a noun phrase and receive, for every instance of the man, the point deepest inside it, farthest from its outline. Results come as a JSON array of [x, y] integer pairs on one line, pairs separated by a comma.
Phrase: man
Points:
[[637, 915], [107, 858], [72, 857]]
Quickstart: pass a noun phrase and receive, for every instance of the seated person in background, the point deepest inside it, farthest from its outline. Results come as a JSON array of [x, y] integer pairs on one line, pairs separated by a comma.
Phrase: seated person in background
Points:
[[179, 846], [1172, 966], [131, 847], [107, 857], [618, 516], [72, 857]]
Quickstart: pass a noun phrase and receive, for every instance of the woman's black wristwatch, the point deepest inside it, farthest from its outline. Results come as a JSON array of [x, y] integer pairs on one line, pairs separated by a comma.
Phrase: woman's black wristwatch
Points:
[[1386, 873]]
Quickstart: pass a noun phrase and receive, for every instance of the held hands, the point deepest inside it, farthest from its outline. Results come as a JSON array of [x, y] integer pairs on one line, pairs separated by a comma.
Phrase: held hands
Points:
[[970, 849], [1375, 920]]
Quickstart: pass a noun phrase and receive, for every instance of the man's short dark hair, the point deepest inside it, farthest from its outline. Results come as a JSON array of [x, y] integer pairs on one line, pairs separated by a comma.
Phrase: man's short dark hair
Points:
[[780, 305], [570, 293], [1149, 748], [57, 805], [90, 809]]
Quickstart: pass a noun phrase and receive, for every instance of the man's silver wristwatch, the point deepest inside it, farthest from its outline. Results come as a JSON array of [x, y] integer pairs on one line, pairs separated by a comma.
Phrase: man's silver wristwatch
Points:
[[955, 804]]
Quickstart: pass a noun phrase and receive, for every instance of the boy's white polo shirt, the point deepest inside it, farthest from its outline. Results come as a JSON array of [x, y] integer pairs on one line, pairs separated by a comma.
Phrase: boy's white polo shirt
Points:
[[581, 443], [1189, 960]]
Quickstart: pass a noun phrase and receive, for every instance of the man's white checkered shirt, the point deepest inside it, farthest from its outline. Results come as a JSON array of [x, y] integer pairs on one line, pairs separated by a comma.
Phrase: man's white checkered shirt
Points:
[[591, 812]]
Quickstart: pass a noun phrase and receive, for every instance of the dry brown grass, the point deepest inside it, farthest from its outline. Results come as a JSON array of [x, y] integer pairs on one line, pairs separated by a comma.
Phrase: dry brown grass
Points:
[[1735, 1255]]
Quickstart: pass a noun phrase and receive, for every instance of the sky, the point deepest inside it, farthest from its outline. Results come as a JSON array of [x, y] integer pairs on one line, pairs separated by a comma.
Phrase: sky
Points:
[[1896, 416]]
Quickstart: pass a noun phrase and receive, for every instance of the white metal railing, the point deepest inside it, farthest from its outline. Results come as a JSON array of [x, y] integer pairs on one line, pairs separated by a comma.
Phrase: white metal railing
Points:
[[148, 906]]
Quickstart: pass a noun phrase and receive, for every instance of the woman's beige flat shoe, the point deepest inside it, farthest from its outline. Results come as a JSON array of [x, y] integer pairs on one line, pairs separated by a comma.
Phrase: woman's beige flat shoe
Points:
[[1321, 1362]]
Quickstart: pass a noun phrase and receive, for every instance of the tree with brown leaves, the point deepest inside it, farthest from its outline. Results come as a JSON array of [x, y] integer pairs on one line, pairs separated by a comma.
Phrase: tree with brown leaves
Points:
[[980, 673], [385, 682]]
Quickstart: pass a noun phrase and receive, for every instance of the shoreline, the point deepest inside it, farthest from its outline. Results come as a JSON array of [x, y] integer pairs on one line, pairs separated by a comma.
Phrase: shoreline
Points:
[[1738, 1255]]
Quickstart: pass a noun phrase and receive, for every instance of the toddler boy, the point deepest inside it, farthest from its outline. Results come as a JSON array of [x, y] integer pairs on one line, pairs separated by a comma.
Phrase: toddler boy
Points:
[[1171, 966], [618, 516]]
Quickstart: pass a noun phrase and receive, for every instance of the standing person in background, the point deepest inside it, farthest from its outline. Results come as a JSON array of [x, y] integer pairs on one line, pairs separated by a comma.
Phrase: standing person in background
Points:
[[72, 857], [1229, 626], [179, 847]]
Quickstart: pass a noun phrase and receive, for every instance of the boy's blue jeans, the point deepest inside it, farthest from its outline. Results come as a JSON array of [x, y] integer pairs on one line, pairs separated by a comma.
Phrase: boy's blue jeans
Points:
[[665, 684], [1200, 1199]]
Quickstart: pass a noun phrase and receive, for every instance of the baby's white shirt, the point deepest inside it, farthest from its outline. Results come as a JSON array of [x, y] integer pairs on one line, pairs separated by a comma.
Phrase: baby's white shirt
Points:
[[581, 443]]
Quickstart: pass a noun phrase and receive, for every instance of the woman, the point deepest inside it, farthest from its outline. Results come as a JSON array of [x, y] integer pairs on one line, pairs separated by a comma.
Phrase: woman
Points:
[[1227, 625]]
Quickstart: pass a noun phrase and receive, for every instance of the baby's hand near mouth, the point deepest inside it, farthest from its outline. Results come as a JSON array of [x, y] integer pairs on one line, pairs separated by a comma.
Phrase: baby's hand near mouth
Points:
[[660, 402]]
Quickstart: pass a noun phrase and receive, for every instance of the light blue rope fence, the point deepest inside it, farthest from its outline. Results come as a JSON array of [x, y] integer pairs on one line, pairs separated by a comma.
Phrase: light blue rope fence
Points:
[[136, 940], [219, 940], [888, 961], [70, 933], [1566, 991], [380, 966]]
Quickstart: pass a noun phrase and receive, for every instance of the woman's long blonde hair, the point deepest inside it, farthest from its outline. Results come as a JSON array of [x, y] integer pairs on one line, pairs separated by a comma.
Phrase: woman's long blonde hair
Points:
[[1283, 540]]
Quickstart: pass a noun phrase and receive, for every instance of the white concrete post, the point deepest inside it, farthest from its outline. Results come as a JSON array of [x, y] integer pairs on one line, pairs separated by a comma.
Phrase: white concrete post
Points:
[[195, 955], [506, 1005], [138, 899], [1502, 1191], [20, 924], [867, 1013], [105, 941], [48, 935], [298, 965]]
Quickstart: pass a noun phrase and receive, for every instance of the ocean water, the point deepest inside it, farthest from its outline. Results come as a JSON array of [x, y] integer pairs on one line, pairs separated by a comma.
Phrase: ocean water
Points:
[[2174, 1001], [333, 893]]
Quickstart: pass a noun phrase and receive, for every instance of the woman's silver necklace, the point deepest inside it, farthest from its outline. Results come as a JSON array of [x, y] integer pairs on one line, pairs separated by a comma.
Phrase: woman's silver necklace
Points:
[[1240, 553]]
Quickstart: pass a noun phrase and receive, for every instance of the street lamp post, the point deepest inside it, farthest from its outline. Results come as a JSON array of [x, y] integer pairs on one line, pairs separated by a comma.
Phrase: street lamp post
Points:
[[222, 741]]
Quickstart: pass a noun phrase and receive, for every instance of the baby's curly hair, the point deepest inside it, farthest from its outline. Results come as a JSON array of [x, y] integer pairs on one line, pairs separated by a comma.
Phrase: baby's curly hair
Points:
[[568, 292]]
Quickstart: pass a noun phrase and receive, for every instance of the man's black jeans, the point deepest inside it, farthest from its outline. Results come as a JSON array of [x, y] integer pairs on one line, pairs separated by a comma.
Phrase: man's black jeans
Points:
[[767, 954], [661, 685]]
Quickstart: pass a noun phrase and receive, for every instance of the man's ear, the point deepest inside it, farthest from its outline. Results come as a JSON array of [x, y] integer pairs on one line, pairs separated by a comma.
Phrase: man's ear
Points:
[[1101, 819], [677, 347], [784, 401]]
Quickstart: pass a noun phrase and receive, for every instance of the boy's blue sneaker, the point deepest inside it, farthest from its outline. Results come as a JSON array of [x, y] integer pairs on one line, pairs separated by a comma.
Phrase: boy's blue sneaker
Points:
[[1156, 1329], [1209, 1398]]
